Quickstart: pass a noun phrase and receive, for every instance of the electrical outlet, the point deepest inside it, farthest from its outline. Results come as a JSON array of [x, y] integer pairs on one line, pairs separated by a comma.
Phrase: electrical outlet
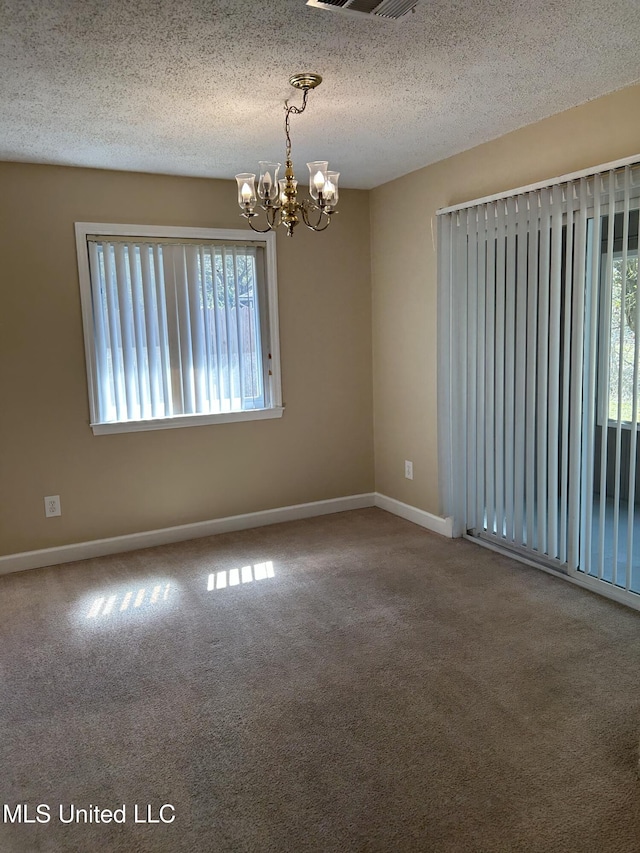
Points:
[[408, 469], [52, 506]]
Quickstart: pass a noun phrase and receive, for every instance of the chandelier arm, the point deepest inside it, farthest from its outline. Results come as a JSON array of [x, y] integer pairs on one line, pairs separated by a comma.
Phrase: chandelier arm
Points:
[[272, 215], [317, 229], [260, 230], [317, 226]]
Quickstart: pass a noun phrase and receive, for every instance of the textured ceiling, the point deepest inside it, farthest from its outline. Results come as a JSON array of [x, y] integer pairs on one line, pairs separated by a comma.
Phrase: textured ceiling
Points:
[[195, 87]]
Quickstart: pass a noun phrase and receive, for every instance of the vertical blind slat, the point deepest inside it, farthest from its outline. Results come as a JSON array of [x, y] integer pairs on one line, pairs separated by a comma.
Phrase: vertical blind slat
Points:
[[196, 303], [521, 348], [126, 331], [479, 366], [509, 368], [229, 279], [461, 349], [152, 334], [449, 461], [605, 349], [542, 401], [248, 341], [566, 363], [472, 313], [217, 261], [163, 331], [531, 365], [106, 400], [184, 330], [170, 259], [555, 307], [489, 373], [577, 368], [623, 295], [137, 299], [208, 343], [633, 449], [589, 385], [239, 338], [253, 334], [500, 369]]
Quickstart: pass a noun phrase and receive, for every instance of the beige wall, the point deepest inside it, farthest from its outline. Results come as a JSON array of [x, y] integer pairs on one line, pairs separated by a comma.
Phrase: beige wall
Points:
[[323, 447], [118, 484], [403, 268]]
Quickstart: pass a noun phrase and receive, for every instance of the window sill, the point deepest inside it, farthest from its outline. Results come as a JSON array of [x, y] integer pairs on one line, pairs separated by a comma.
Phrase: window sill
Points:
[[186, 421]]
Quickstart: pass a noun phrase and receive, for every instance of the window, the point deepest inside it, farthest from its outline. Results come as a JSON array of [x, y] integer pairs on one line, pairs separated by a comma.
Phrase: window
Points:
[[180, 326]]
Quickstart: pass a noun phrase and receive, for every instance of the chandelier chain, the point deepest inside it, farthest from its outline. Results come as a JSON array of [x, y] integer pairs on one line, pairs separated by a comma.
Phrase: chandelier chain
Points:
[[297, 111]]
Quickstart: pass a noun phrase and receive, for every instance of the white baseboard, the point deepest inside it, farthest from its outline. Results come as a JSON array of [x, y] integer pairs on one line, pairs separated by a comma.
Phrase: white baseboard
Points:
[[443, 526], [180, 533]]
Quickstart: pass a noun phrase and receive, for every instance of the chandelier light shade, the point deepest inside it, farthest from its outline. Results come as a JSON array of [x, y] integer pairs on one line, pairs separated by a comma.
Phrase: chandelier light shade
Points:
[[246, 189], [278, 197]]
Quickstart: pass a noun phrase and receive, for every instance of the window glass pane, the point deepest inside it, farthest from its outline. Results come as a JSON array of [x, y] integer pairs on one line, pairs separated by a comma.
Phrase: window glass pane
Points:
[[623, 337]]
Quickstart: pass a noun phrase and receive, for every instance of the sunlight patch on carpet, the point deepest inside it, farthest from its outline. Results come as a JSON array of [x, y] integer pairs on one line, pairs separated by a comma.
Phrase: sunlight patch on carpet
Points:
[[234, 577], [140, 597]]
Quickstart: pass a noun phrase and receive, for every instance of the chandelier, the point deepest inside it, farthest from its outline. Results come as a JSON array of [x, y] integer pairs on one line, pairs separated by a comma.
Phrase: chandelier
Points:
[[279, 197]]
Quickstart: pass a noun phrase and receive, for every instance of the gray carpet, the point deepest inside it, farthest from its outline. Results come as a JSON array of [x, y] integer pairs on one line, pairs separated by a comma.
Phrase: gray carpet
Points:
[[383, 690]]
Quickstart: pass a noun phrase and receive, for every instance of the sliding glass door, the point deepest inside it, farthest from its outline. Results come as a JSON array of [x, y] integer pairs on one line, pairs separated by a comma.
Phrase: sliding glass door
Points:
[[539, 374]]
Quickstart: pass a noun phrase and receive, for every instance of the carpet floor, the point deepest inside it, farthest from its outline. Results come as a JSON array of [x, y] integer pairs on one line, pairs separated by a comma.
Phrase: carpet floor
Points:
[[343, 683]]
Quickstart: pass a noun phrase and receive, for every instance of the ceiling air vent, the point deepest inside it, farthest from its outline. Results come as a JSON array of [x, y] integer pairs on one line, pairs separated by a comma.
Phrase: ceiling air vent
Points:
[[381, 8]]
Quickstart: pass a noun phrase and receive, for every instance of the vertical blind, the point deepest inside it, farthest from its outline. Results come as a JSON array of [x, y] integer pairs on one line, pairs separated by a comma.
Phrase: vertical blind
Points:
[[538, 372], [177, 328]]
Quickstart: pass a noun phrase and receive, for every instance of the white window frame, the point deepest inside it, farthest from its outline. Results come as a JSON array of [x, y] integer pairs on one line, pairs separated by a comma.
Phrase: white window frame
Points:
[[118, 230]]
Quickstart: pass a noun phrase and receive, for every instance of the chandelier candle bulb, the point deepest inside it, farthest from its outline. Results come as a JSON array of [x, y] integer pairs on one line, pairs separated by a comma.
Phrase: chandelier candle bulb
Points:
[[268, 181], [283, 183], [279, 197], [330, 191]]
